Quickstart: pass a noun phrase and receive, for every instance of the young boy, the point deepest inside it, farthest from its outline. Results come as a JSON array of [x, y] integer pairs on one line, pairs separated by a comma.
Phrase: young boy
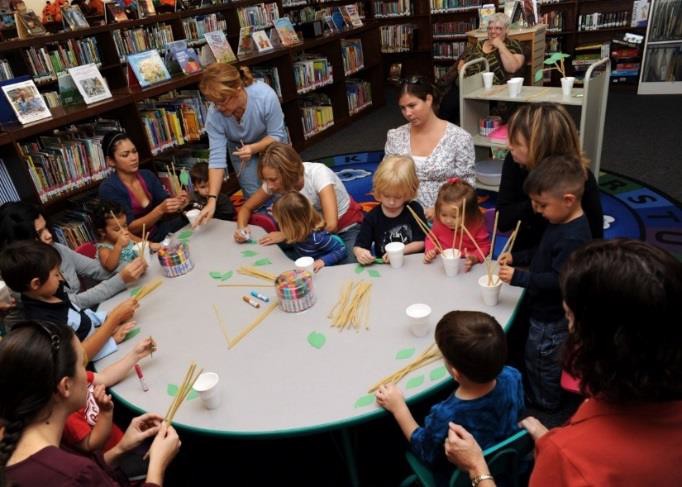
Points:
[[555, 188], [31, 268], [199, 175], [395, 186], [488, 397]]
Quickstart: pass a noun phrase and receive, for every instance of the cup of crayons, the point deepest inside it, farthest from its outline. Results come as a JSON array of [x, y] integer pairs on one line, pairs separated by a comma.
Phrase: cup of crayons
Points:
[[174, 259], [295, 290]]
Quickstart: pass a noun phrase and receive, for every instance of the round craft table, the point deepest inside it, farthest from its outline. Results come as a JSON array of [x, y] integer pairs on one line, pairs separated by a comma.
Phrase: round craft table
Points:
[[275, 381]]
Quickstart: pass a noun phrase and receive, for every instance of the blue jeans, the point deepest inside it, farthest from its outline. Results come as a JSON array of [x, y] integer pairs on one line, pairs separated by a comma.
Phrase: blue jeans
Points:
[[247, 174], [349, 236], [543, 367]]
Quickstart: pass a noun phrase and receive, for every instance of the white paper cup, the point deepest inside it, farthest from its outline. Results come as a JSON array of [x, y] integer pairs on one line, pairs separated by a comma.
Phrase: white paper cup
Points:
[[490, 294], [192, 215], [567, 85], [419, 316], [396, 254], [488, 80], [514, 85], [4, 293], [451, 260], [305, 264], [209, 391]]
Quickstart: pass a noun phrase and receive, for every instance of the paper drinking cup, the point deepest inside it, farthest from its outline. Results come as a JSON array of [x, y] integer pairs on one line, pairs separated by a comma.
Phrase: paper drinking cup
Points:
[[192, 215], [490, 294], [420, 319], [147, 257], [451, 260], [488, 80], [567, 85], [209, 390], [5, 295], [396, 254], [305, 264], [514, 85]]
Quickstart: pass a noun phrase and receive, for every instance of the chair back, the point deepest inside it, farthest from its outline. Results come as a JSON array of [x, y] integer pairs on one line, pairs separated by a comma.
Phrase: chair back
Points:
[[87, 249]]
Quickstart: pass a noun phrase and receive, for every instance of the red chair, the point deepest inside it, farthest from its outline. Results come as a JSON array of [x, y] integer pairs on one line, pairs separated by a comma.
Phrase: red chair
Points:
[[88, 249], [264, 221]]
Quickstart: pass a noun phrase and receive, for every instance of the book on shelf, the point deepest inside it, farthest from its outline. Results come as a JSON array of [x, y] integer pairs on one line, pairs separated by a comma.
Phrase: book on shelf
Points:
[[73, 227], [312, 72], [195, 27], [26, 101], [484, 13], [145, 8], [640, 13], [7, 114], [5, 70], [220, 47], [68, 91], [246, 46], [90, 83], [352, 55], [317, 113], [395, 72], [261, 40], [52, 99], [73, 17], [358, 95], [28, 25], [259, 16], [8, 192], [132, 41], [115, 13], [269, 75], [397, 38], [383, 9], [351, 15], [285, 31], [339, 20], [181, 58], [148, 68], [448, 49]]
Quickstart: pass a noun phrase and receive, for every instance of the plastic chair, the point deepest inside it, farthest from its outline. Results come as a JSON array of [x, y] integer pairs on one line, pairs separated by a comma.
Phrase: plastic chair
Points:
[[504, 460], [264, 221], [87, 249]]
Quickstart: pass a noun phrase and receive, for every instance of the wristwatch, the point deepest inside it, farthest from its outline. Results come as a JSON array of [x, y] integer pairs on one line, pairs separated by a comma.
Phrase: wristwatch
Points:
[[477, 480], [215, 197]]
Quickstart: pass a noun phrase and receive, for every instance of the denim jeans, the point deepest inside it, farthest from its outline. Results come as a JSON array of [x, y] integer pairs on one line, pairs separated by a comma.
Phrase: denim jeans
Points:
[[247, 173], [349, 236], [543, 367]]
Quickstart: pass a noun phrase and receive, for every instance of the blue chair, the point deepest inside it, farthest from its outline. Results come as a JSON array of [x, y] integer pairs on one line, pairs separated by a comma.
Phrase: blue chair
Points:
[[505, 461]]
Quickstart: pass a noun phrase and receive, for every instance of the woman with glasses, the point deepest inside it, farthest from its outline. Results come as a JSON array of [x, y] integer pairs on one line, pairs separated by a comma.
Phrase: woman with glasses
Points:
[[504, 57], [245, 118], [440, 149]]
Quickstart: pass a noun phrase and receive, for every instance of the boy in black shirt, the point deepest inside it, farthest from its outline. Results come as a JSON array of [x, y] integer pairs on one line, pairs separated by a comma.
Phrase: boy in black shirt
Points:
[[223, 207], [555, 188]]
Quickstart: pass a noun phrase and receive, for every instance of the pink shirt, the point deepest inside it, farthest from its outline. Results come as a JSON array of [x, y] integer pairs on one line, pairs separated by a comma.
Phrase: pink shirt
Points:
[[445, 235]]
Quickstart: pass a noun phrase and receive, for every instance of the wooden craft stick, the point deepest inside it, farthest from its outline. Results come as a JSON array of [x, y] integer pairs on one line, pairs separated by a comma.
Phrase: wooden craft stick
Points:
[[509, 241], [253, 272], [454, 234], [425, 228], [492, 247], [223, 326], [428, 356], [537, 95], [148, 288], [253, 324], [464, 214], [120, 228], [514, 235]]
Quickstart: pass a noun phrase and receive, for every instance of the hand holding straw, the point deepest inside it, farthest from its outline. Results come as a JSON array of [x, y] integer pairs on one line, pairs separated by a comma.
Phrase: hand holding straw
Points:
[[475, 243], [148, 288], [510, 241], [425, 228]]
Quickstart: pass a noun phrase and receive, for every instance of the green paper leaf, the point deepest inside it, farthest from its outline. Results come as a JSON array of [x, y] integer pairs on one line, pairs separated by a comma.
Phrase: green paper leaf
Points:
[[538, 75], [185, 235], [374, 273], [249, 253], [184, 177], [226, 276], [192, 395], [133, 333], [438, 373], [415, 382], [359, 269], [379, 260], [404, 353], [316, 340], [365, 400], [216, 275], [135, 291], [261, 262], [172, 390]]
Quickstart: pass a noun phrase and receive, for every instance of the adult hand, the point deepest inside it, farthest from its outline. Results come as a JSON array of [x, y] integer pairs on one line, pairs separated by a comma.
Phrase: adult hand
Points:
[[140, 428], [244, 152], [534, 427], [165, 446], [389, 397], [124, 311], [363, 256], [506, 273], [429, 255], [121, 332], [103, 400], [206, 213], [497, 42], [506, 259], [272, 238], [133, 270], [462, 450], [183, 198], [242, 235]]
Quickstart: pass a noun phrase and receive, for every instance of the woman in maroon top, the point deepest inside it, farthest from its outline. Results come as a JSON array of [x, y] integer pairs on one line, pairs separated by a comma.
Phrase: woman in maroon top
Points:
[[43, 380]]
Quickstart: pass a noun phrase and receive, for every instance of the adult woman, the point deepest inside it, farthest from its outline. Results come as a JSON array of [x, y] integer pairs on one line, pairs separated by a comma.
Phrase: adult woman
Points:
[[281, 169], [245, 118], [625, 347], [440, 150], [140, 193], [504, 58], [43, 379], [537, 131]]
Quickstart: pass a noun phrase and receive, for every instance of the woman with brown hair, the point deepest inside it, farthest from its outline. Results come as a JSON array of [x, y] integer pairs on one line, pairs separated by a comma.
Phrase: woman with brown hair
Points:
[[245, 118], [537, 131]]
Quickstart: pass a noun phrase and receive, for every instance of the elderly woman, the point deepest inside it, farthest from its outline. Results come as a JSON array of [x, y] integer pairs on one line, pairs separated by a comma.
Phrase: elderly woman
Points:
[[622, 303], [440, 149], [504, 56]]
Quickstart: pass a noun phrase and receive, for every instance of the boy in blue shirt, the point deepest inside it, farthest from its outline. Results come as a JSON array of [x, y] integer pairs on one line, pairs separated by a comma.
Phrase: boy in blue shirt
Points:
[[488, 397]]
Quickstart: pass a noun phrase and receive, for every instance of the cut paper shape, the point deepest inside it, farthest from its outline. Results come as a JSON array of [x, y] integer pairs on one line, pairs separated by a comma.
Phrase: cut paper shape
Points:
[[261, 262], [373, 273], [359, 269], [172, 390], [192, 395], [379, 260], [415, 382], [216, 275], [185, 235], [365, 400], [132, 333], [226, 276], [404, 353], [135, 291], [438, 373], [184, 177], [249, 253], [316, 340]]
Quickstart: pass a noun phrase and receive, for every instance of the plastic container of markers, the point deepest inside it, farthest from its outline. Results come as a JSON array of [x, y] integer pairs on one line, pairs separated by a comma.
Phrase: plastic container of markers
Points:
[[295, 291], [175, 260]]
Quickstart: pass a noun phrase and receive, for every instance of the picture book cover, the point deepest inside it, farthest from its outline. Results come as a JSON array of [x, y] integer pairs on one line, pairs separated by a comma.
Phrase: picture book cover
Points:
[[90, 83], [220, 47], [115, 12], [262, 41], [339, 21], [74, 18], [188, 60], [26, 101], [148, 67], [246, 45], [352, 15], [287, 34], [68, 91], [29, 25], [145, 8]]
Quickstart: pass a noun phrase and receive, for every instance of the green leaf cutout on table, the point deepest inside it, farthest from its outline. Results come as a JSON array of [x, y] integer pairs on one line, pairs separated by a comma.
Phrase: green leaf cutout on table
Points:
[[359, 268], [184, 177], [317, 339], [132, 333], [379, 260], [192, 395], [172, 390], [438, 373], [135, 291], [260, 262], [373, 273], [226, 276], [415, 382], [404, 353], [365, 400], [185, 235], [216, 275], [249, 253]]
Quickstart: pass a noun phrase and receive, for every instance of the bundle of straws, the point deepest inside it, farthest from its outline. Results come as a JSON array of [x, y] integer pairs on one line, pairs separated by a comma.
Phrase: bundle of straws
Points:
[[352, 308], [430, 355], [253, 272], [174, 179], [148, 288], [186, 386], [426, 229]]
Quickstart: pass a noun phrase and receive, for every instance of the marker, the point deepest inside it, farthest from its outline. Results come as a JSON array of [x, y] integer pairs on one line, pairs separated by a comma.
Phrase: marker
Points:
[[260, 296], [138, 371], [252, 302], [245, 233]]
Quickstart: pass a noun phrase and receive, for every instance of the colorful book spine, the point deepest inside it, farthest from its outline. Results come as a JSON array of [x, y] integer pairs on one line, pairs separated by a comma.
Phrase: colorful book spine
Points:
[[196, 27], [351, 52], [317, 114], [258, 16], [312, 73], [358, 94], [450, 29], [397, 38], [448, 50], [138, 40], [444, 6], [269, 75], [397, 8], [8, 192]]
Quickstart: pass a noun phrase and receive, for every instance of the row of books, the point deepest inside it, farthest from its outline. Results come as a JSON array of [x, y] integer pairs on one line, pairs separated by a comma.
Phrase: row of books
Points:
[[5, 70], [606, 20], [359, 95], [445, 29], [8, 192], [397, 38], [338, 19], [48, 61], [439, 72], [442, 6], [352, 56], [311, 73], [196, 27], [258, 16], [73, 228], [448, 50], [554, 21], [392, 8], [269, 75], [317, 114], [142, 39]]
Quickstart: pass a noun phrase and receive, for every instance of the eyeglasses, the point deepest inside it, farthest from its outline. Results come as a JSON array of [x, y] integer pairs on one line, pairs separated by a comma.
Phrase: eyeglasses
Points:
[[415, 80]]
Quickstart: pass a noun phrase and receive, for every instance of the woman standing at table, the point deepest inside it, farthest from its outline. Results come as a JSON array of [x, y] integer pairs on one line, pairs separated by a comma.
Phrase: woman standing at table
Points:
[[139, 192], [440, 149], [246, 117]]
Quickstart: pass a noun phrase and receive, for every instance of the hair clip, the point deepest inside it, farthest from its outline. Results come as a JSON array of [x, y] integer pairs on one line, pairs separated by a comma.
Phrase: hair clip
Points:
[[454, 180]]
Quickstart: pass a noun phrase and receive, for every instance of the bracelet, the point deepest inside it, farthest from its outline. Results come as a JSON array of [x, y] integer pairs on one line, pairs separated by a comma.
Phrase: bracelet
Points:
[[477, 480], [212, 196]]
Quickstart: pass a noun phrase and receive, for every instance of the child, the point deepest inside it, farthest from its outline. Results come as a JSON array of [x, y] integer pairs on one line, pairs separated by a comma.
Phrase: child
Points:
[[488, 396], [447, 218], [116, 245], [555, 188], [223, 207], [303, 227], [32, 268], [395, 185]]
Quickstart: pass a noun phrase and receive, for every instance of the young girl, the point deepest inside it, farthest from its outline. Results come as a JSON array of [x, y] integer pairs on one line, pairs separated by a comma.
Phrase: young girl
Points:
[[447, 218], [116, 245], [303, 227]]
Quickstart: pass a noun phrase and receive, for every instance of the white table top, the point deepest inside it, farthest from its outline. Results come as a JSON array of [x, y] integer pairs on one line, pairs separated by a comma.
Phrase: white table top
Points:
[[274, 382]]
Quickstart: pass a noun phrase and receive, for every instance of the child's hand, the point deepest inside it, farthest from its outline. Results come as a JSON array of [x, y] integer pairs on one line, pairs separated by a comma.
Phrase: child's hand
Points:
[[389, 397], [103, 399], [363, 256], [469, 262], [505, 259], [154, 246], [242, 235], [123, 238], [506, 273], [385, 258], [144, 348], [272, 238], [124, 311], [120, 332], [134, 270], [429, 255], [428, 213], [318, 264]]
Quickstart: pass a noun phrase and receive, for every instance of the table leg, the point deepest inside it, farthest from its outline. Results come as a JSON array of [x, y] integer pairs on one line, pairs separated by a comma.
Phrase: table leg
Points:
[[348, 455]]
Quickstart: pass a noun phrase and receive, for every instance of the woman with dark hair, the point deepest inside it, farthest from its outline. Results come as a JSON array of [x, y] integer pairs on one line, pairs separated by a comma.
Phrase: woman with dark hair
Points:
[[43, 379], [440, 149], [139, 192], [625, 347]]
